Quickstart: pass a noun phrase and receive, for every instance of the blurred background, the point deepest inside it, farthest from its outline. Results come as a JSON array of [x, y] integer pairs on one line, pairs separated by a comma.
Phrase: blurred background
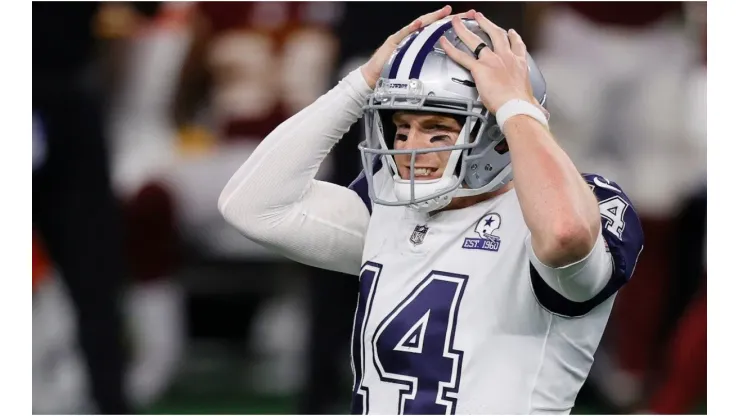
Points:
[[145, 301]]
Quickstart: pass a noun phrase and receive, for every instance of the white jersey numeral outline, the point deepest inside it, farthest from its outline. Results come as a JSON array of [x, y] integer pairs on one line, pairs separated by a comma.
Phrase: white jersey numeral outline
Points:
[[613, 210]]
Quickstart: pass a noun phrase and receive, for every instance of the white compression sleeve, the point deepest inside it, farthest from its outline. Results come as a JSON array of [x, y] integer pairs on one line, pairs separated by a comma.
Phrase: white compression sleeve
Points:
[[274, 199], [579, 281]]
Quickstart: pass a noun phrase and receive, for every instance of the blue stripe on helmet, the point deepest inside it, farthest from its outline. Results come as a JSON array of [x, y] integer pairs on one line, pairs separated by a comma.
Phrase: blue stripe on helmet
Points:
[[399, 56], [426, 48]]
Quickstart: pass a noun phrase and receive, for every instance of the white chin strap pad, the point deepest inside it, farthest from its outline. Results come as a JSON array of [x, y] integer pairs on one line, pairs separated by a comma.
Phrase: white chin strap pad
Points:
[[423, 189], [433, 204]]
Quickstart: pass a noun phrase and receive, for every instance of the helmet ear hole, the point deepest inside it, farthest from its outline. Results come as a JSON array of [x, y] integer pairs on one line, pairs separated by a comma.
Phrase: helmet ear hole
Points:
[[502, 147], [473, 134]]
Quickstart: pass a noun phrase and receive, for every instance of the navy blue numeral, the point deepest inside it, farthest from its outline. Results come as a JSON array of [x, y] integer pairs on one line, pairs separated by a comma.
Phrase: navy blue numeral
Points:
[[368, 282], [413, 345]]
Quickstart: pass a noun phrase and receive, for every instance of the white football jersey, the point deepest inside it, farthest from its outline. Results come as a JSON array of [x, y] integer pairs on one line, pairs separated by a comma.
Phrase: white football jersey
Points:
[[453, 318]]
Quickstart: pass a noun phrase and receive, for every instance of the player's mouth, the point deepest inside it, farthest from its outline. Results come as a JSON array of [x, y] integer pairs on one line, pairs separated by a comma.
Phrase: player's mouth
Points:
[[420, 173]]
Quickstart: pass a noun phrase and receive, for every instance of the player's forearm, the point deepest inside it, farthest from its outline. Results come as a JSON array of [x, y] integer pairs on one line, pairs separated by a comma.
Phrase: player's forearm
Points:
[[274, 199], [559, 208]]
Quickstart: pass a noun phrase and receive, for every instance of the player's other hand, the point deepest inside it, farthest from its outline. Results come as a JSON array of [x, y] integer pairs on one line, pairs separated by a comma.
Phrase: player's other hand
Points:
[[500, 74], [372, 69]]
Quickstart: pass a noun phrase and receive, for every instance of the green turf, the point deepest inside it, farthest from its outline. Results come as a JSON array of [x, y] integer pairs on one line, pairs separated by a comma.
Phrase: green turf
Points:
[[215, 383], [250, 404]]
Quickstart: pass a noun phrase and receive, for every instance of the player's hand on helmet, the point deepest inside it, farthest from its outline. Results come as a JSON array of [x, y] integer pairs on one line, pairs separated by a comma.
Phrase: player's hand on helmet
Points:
[[501, 74], [372, 69]]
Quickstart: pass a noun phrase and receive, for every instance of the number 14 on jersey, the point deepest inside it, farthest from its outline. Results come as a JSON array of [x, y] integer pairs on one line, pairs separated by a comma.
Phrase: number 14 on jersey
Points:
[[412, 346]]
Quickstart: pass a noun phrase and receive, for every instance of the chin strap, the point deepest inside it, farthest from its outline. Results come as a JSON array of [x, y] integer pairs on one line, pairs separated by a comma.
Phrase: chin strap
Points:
[[433, 204]]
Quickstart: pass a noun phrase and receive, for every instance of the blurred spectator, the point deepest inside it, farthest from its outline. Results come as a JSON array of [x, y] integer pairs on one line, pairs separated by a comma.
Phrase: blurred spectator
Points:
[[683, 382], [143, 152], [74, 209], [625, 103], [249, 67], [258, 63]]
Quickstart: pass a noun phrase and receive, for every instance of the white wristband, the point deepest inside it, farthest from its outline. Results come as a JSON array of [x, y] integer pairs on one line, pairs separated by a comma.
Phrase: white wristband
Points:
[[516, 107]]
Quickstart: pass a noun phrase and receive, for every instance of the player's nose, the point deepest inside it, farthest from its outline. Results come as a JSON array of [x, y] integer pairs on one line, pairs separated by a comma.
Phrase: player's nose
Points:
[[418, 140]]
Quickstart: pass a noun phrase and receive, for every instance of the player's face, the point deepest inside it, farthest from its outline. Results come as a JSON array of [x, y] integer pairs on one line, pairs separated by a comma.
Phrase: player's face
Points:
[[422, 131]]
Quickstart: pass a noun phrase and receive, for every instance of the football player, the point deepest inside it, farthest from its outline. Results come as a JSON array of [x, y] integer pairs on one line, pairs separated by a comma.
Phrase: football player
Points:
[[479, 293]]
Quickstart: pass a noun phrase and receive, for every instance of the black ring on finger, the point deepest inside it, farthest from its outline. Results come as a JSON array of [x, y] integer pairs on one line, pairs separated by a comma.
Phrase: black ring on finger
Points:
[[479, 48]]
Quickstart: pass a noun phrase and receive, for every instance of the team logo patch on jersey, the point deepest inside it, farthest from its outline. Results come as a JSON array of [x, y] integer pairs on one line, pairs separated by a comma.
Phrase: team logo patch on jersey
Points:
[[485, 228], [417, 237]]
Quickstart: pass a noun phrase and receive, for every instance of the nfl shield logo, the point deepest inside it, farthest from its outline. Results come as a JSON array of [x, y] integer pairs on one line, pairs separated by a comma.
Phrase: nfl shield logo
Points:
[[417, 237]]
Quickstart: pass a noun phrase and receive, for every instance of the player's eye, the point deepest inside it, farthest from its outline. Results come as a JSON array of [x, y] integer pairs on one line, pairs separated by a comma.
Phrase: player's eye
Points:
[[441, 138], [401, 137]]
